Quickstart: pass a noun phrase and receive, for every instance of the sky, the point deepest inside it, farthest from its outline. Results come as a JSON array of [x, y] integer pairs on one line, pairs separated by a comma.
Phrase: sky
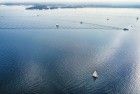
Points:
[[70, 0]]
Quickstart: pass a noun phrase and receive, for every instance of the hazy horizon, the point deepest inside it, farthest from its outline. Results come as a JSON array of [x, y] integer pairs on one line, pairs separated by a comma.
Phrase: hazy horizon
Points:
[[76, 1]]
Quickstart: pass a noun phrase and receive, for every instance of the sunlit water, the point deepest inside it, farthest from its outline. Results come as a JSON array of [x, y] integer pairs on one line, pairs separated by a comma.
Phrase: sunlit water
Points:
[[37, 58]]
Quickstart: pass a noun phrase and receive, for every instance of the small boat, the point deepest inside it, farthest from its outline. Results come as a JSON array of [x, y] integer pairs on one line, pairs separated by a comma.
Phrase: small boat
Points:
[[95, 75], [137, 18], [57, 26], [126, 29]]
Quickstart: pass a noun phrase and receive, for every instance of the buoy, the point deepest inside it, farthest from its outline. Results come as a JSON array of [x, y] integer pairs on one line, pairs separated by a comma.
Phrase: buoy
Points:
[[81, 22]]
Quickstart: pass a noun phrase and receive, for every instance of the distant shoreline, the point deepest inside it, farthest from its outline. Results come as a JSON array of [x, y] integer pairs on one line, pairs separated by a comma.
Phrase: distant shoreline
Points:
[[51, 6]]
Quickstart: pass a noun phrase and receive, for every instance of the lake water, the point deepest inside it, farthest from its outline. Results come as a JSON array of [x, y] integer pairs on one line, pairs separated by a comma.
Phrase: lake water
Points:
[[37, 58]]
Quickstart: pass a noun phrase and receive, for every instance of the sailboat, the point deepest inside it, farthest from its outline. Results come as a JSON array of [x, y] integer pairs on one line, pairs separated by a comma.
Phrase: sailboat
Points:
[[95, 75], [137, 18], [57, 26]]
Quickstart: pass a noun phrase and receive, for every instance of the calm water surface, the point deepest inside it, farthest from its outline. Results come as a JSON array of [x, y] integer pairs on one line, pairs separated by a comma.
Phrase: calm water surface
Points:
[[37, 58]]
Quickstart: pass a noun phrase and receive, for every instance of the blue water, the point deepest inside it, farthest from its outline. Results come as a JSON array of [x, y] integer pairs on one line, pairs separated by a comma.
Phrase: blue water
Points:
[[35, 59]]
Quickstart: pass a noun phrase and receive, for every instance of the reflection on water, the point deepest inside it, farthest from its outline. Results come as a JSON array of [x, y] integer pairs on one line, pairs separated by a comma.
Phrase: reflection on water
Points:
[[62, 61]]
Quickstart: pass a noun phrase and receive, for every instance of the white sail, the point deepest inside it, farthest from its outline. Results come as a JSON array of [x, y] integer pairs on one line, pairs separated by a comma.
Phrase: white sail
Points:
[[95, 74], [57, 26]]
